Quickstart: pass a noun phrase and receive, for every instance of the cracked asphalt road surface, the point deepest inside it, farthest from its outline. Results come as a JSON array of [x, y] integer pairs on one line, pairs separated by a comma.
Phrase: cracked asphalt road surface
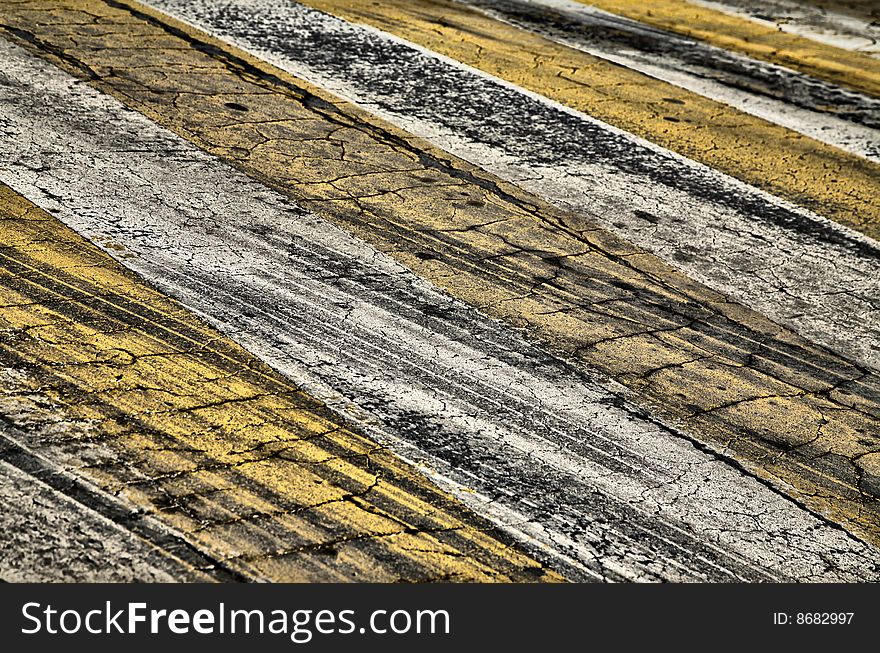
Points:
[[289, 297]]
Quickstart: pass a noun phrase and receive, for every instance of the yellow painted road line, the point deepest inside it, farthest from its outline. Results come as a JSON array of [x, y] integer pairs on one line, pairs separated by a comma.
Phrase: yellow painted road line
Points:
[[822, 178], [844, 67], [154, 406], [801, 417], [849, 25]]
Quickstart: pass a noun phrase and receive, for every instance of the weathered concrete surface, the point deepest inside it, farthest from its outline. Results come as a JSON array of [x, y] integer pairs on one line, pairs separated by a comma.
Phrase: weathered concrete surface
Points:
[[562, 460]]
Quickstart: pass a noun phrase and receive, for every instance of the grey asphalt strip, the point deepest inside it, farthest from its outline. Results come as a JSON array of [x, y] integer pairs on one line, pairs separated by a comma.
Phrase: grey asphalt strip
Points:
[[562, 460], [57, 529], [49, 538], [803, 271]]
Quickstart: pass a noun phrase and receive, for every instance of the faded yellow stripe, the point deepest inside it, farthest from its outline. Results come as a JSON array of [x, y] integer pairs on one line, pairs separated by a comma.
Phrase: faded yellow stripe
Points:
[[801, 417], [200, 434], [836, 65], [838, 185]]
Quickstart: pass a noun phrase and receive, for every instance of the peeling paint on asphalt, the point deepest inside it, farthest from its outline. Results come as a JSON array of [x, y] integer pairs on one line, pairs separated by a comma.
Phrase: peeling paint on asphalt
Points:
[[837, 185], [715, 23], [798, 416], [124, 401]]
